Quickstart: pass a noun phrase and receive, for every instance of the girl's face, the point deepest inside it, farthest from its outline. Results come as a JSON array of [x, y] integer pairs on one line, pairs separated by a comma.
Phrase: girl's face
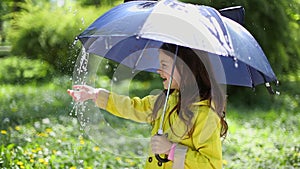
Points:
[[165, 69]]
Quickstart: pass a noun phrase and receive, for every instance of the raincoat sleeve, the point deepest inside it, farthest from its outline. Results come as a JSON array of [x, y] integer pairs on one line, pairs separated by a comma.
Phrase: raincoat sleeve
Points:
[[136, 109], [206, 151]]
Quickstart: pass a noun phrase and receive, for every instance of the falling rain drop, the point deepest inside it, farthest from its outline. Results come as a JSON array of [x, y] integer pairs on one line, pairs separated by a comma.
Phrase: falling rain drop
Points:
[[82, 21], [236, 65]]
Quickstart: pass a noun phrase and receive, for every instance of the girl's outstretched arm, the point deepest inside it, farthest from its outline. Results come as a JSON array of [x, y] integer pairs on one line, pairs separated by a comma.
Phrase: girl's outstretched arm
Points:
[[81, 93]]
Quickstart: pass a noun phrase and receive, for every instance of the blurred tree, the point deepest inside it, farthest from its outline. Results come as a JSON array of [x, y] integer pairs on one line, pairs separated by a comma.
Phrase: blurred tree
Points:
[[4, 10], [44, 31]]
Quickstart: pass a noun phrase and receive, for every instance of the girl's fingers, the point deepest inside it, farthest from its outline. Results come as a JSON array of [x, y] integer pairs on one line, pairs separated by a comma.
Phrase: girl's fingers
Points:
[[79, 87], [80, 95], [83, 87], [71, 93]]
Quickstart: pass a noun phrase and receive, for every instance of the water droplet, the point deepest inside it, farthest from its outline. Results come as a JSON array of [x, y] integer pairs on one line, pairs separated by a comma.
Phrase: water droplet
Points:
[[138, 37], [115, 79], [249, 58], [82, 21], [106, 66], [236, 65]]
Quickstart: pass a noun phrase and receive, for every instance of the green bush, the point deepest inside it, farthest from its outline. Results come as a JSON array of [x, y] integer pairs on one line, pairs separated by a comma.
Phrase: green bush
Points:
[[48, 32], [19, 70]]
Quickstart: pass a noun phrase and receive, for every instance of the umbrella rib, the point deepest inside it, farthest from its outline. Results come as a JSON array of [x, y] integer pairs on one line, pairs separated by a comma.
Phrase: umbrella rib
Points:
[[249, 71], [267, 84], [141, 55]]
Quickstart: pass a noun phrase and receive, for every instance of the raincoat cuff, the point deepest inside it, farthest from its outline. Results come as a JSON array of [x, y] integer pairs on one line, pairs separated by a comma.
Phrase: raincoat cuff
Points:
[[179, 156], [172, 151], [101, 98]]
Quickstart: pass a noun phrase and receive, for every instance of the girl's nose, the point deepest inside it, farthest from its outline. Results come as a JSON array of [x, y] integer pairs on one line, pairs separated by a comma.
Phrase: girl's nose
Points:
[[159, 71]]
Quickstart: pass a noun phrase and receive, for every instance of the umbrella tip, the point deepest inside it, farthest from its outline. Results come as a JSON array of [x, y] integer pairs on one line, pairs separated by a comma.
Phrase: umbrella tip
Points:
[[270, 89]]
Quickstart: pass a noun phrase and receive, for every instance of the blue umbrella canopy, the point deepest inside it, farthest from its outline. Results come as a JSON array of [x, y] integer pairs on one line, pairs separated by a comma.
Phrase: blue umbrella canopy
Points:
[[132, 32]]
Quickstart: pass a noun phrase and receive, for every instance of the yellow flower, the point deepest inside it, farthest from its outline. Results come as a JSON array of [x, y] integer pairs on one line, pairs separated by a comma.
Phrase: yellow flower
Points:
[[3, 132], [41, 160], [96, 148], [81, 141], [34, 150], [118, 158], [48, 130], [18, 128], [257, 159], [225, 162], [73, 167], [32, 160], [42, 134], [130, 162], [20, 163]]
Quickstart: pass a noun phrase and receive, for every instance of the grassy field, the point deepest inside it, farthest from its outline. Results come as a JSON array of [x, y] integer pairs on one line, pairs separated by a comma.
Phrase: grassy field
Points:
[[37, 131]]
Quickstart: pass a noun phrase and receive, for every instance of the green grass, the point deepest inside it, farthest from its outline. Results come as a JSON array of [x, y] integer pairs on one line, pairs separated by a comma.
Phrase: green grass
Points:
[[37, 131], [259, 139]]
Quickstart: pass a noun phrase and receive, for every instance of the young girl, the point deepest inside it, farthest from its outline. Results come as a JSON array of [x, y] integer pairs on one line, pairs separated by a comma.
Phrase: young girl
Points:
[[194, 118]]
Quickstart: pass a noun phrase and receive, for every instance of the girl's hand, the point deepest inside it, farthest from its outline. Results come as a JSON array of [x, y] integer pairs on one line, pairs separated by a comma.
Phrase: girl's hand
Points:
[[83, 93], [160, 144]]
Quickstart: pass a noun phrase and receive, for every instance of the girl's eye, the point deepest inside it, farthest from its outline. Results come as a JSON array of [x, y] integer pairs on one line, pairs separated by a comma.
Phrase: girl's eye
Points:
[[163, 66]]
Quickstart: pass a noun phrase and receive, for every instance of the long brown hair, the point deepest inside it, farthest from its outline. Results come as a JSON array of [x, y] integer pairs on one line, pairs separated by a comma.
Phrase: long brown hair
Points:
[[200, 85]]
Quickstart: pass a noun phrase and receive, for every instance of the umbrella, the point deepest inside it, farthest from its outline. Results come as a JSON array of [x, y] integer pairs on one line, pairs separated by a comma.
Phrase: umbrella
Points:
[[128, 31]]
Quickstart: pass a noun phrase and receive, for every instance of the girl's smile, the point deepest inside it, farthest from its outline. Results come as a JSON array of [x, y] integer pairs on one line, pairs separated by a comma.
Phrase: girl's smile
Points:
[[166, 64]]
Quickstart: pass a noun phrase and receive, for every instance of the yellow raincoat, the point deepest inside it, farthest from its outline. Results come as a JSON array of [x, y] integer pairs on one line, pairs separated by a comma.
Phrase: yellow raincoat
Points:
[[200, 151]]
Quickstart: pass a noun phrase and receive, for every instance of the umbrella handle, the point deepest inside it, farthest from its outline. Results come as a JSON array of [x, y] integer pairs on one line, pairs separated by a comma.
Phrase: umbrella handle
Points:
[[157, 156], [160, 159]]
